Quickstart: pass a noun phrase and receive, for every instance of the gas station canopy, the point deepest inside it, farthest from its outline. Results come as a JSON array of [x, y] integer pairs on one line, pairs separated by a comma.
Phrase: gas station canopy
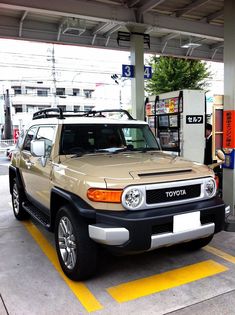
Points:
[[182, 28]]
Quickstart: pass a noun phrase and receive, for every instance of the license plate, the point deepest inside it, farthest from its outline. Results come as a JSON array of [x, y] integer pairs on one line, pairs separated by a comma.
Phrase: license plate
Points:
[[186, 221]]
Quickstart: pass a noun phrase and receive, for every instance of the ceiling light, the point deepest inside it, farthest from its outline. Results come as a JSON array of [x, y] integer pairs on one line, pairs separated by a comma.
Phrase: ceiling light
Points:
[[190, 45]]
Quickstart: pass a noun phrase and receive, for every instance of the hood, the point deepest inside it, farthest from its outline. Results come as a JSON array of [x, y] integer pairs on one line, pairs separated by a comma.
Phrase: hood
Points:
[[141, 167]]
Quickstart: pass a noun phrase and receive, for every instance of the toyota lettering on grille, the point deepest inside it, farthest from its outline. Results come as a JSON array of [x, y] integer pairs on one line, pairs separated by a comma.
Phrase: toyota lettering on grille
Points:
[[173, 193]]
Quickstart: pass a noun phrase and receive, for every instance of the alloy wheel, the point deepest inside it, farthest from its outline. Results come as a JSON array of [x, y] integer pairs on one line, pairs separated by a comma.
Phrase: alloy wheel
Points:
[[67, 243]]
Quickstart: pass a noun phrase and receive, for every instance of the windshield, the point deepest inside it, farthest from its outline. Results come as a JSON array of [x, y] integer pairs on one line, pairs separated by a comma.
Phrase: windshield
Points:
[[106, 138]]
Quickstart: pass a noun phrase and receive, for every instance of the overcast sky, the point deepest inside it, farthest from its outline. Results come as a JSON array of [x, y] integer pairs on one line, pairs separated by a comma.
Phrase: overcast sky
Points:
[[24, 61]]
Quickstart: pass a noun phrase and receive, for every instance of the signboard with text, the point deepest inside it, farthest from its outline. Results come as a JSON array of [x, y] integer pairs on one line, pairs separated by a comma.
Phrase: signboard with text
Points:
[[15, 134], [229, 131], [128, 71], [194, 119], [147, 72]]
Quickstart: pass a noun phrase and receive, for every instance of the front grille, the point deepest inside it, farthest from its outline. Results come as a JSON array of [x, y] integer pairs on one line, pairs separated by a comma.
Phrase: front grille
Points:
[[172, 194]]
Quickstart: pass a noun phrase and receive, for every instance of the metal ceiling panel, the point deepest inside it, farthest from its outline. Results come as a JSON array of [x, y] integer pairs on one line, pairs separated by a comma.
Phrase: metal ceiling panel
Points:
[[96, 23]]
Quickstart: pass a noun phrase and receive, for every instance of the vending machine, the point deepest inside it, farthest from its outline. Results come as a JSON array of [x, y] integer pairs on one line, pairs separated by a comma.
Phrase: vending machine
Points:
[[178, 120]]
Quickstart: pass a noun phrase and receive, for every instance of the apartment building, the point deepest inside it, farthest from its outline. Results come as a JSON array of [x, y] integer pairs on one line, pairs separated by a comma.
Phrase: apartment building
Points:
[[28, 97]]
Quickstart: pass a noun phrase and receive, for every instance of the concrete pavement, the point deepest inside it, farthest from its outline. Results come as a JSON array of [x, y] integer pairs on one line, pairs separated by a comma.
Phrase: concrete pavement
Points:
[[167, 281]]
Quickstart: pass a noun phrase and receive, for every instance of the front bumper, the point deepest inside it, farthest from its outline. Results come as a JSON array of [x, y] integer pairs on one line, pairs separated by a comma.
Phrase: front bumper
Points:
[[136, 231]]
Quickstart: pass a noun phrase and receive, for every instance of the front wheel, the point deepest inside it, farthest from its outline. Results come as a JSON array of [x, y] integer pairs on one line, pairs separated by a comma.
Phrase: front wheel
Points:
[[76, 251], [17, 200]]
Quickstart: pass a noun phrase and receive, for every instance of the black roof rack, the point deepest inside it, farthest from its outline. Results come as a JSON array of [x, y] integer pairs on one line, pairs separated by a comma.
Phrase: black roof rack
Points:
[[60, 114], [49, 113]]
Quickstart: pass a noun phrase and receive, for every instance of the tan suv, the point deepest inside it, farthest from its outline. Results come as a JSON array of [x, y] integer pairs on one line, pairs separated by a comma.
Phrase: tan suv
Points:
[[100, 178]]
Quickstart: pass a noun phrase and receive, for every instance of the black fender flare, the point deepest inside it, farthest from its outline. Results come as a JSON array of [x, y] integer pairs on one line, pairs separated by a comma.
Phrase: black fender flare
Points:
[[60, 196]]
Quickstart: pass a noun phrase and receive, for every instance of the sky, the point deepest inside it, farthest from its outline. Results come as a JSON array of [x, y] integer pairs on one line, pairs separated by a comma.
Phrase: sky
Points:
[[31, 61]]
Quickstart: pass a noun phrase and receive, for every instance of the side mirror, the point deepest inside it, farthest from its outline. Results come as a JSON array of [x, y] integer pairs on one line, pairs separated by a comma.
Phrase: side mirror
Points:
[[38, 148]]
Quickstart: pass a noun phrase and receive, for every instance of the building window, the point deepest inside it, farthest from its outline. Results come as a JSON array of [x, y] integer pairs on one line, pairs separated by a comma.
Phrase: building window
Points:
[[17, 90], [87, 108], [30, 90], [76, 92], [31, 108], [76, 108], [88, 93], [42, 92], [18, 109], [42, 107], [63, 107], [60, 91]]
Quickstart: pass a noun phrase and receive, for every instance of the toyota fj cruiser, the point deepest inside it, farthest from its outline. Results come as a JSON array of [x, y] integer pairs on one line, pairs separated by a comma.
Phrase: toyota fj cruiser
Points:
[[97, 178]]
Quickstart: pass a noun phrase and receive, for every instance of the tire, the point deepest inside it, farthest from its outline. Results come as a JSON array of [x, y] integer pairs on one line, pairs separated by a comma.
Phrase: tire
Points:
[[17, 200], [77, 253], [199, 243]]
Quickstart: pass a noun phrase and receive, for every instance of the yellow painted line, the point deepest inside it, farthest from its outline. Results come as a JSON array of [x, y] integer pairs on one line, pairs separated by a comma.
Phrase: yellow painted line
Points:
[[80, 290], [220, 253], [167, 280]]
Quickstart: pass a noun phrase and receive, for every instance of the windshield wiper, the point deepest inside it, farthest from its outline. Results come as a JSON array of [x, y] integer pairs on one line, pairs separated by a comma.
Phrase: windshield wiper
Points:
[[144, 150]]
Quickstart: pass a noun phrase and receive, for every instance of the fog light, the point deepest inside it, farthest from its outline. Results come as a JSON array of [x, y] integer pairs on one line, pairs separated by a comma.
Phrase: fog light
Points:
[[210, 188], [227, 210], [132, 198]]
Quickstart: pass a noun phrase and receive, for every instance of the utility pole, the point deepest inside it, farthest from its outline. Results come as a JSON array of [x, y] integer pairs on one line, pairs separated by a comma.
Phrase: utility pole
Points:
[[120, 82], [8, 126], [54, 75]]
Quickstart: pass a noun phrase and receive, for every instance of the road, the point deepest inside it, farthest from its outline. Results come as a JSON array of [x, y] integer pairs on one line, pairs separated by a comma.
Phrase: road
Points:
[[167, 281], [4, 163]]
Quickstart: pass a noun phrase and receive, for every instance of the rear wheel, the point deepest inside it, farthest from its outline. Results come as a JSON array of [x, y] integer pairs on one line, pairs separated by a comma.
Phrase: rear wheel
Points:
[[17, 200], [76, 251]]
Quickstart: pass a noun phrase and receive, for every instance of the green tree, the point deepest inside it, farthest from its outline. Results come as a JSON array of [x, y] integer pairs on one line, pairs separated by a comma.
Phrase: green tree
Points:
[[172, 74]]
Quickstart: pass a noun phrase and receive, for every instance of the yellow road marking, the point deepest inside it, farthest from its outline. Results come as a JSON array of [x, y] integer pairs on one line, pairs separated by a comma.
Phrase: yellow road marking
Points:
[[83, 294], [220, 253], [167, 280]]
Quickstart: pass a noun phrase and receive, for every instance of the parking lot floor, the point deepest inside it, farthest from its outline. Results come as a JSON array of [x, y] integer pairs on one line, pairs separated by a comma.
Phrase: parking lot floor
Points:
[[166, 281]]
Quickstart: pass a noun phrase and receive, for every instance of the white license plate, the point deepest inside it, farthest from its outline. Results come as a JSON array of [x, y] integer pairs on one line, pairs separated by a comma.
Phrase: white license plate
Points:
[[186, 221]]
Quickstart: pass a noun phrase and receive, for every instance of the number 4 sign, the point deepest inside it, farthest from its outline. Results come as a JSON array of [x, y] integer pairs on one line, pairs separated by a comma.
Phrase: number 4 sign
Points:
[[147, 72]]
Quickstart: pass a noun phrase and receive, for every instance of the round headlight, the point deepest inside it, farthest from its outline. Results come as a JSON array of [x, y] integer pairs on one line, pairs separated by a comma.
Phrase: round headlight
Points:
[[210, 188], [132, 198]]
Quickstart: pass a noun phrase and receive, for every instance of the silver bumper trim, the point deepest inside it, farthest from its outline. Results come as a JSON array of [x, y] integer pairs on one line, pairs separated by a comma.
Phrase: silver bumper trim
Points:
[[108, 235], [167, 239]]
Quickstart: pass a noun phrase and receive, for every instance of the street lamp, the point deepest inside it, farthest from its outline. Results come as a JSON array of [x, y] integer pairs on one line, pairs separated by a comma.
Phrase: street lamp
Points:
[[119, 81]]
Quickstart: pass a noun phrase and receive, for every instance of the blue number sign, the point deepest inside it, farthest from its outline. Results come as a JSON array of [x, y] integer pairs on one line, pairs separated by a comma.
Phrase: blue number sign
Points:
[[128, 71], [147, 72]]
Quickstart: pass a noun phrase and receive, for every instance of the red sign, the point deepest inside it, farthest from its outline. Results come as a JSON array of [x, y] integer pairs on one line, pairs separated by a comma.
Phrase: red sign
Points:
[[229, 129], [15, 134]]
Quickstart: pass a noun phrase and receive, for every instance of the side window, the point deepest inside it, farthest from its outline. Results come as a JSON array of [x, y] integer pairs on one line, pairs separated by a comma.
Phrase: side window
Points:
[[29, 137], [46, 133]]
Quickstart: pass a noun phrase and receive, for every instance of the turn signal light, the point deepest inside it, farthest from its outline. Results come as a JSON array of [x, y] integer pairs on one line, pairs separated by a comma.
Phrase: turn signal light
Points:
[[217, 181], [104, 195]]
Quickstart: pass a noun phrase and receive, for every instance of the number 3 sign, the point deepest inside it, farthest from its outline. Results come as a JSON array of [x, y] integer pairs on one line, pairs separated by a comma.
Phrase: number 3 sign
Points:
[[128, 71]]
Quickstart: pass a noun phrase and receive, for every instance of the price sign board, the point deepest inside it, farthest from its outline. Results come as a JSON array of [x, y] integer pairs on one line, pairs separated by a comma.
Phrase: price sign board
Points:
[[147, 72], [15, 134], [128, 71], [229, 134]]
